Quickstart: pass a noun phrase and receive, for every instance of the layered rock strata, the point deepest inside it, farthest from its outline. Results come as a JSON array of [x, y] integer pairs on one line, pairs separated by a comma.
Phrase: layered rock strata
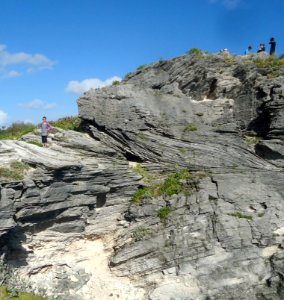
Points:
[[71, 226]]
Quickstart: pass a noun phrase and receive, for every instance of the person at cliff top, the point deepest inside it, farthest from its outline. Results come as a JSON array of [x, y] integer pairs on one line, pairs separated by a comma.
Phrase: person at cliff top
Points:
[[248, 50], [272, 46], [261, 48], [225, 51], [45, 129]]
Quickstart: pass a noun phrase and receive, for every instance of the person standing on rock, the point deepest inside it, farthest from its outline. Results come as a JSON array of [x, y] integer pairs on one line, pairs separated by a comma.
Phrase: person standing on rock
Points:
[[45, 129], [261, 48], [272, 46], [248, 50]]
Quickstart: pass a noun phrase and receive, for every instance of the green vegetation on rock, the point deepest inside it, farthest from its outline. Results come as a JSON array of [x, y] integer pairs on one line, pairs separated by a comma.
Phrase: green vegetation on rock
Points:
[[182, 181], [141, 67], [68, 123], [116, 82], [269, 62], [141, 232], [164, 212], [140, 194], [240, 215], [143, 172], [174, 184], [6, 294], [35, 143], [195, 51], [252, 140], [274, 65], [16, 131], [15, 171], [13, 287], [190, 127]]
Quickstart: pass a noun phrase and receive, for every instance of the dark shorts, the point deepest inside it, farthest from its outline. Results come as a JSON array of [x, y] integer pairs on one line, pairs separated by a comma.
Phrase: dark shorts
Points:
[[44, 139]]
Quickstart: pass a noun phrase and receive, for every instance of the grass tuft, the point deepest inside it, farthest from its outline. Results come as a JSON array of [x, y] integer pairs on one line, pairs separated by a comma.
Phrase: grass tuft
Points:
[[240, 215], [141, 232], [15, 171], [35, 143], [164, 213], [190, 127], [140, 194], [252, 140]]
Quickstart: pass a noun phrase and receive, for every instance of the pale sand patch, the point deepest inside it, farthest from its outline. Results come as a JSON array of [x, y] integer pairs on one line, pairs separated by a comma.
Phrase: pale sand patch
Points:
[[279, 231], [74, 256], [269, 251]]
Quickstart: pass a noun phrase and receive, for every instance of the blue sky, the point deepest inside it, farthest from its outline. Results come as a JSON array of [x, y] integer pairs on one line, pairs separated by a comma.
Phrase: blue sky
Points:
[[53, 50]]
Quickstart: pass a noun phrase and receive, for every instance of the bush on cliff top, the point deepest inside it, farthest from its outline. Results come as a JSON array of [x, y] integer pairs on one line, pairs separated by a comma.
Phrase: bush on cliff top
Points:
[[16, 130], [68, 123], [195, 51], [269, 62]]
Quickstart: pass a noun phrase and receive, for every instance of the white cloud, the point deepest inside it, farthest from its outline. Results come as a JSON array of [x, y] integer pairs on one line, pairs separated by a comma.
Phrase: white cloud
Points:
[[79, 87], [230, 4], [3, 117], [27, 62], [37, 104], [13, 74]]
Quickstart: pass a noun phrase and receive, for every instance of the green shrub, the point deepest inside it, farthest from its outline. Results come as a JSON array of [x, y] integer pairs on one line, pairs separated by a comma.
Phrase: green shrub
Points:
[[269, 62], [141, 67], [171, 186], [141, 194], [274, 64], [116, 82], [15, 171], [164, 212], [16, 131], [190, 127], [174, 184], [240, 215], [141, 233], [195, 51], [179, 182], [68, 123]]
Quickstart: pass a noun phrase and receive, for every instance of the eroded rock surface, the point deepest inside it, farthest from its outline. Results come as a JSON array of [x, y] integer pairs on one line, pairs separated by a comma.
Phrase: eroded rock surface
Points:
[[70, 225]]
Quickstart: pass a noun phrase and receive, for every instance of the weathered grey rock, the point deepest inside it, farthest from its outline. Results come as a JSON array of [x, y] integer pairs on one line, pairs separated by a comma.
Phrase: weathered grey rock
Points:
[[72, 185], [194, 113], [70, 225], [206, 103]]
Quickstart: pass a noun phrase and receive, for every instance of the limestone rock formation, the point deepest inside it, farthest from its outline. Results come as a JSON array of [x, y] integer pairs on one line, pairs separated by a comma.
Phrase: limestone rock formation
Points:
[[207, 136]]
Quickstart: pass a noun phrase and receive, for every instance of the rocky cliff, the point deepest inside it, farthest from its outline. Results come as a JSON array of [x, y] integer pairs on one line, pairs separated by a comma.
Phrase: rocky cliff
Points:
[[174, 191]]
